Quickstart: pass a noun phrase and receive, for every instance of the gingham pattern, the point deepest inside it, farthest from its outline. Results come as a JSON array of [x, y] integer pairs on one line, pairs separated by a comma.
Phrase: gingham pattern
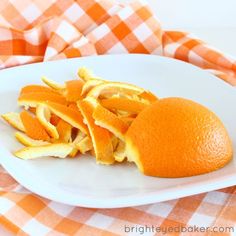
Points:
[[32, 31]]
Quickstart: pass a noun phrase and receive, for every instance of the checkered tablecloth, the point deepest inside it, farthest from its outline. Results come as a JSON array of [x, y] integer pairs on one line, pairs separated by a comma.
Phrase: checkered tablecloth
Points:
[[32, 31]]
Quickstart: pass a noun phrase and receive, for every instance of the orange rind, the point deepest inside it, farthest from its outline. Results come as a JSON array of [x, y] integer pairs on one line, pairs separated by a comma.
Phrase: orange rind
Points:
[[176, 137], [85, 74], [148, 96], [123, 104], [84, 145], [43, 114], [36, 89], [108, 120], [64, 130], [34, 99], [73, 90], [90, 84], [68, 114], [60, 150], [33, 128], [29, 142], [101, 138], [14, 120], [119, 153], [52, 84], [111, 88]]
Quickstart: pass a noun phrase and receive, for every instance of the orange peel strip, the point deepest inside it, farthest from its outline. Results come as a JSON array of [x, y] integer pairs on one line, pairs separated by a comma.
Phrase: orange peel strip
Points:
[[123, 104], [36, 89], [101, 138], [91, 84], [108, 120], [34, 99], [147, 95], [60, 150], [85, 145], [14, 120], [85, 74], [114, 88], [52, 84], [33, 127], [43, 114], [64, 130], [29, 142], [73, 90], [54, 119], [119, 153], [68, 114]]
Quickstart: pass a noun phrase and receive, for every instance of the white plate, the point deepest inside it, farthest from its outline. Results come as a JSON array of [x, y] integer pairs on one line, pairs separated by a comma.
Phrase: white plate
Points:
[[80, 181]]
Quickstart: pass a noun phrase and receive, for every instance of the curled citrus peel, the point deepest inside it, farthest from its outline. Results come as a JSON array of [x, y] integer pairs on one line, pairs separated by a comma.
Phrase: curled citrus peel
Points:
[[52, 84], [33, 128], [101, 138], [29, 142], [111, 88], [60, 150], [14, 120], [34, 99], [43, 114], [110, 121], [89, 114], [68, 114], [124, 104]]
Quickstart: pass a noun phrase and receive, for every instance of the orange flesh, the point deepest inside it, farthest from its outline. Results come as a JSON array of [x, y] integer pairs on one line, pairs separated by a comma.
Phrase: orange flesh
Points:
[[101, 138], [123, 104], [33, 127]]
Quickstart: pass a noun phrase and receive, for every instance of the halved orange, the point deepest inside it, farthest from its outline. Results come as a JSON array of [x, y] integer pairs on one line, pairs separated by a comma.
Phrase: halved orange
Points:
[[14, 120], [33, 127], [101, 138], [123, 104], [34, 99], [108, 120], [68, 114], [43, 114], [29, 142], [60, 150]]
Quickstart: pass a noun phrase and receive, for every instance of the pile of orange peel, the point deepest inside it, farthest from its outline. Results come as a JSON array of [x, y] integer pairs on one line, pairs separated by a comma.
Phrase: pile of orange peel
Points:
[[87, 114]]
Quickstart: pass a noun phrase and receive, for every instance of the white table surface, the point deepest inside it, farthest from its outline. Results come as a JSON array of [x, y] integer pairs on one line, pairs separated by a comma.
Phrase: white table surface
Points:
[[221, 36]]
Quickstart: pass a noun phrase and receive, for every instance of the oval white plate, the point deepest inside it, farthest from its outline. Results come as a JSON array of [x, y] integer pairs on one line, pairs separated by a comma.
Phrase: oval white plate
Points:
[[80, 181]]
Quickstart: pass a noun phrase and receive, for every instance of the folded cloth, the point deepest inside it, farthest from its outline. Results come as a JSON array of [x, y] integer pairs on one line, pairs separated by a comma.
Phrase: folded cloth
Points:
[[33, 31]]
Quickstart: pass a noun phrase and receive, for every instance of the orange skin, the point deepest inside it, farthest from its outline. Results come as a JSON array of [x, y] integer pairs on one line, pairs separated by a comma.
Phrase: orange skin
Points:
[[177, 137], [36, 89], [68, 114], [33, 127], [54, 119], [43, 97], [73, 90], [123, 104], [101, 138], [147, 95]]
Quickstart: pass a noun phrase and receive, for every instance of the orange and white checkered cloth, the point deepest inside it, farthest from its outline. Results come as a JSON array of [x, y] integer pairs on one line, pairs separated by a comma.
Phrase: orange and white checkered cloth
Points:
[[36, 30]]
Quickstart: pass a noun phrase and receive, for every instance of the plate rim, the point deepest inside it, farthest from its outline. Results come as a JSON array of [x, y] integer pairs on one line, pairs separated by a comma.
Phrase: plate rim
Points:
[[124, 201]]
